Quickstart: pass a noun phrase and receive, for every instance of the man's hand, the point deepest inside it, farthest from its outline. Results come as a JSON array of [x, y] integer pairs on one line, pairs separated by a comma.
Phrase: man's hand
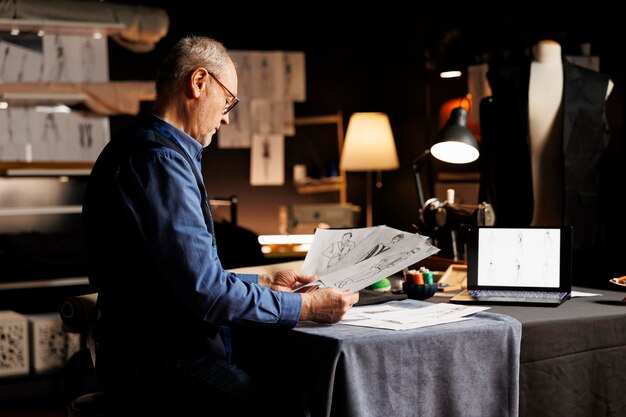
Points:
[[327, 305], [285, 280]]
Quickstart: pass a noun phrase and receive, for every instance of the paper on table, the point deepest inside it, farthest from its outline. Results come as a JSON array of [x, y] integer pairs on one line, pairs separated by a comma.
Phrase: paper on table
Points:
[[407, 314]]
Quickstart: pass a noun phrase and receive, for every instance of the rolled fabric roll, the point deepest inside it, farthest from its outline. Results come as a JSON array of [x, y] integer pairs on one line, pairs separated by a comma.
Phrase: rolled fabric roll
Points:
[[79, 312]]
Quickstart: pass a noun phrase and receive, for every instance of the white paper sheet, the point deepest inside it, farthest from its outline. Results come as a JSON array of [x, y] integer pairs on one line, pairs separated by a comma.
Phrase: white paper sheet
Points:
[[407, 314], [352, 259]]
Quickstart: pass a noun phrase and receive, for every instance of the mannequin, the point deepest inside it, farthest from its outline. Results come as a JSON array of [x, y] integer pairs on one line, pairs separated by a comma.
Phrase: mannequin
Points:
[[544, 136], [545, 123]]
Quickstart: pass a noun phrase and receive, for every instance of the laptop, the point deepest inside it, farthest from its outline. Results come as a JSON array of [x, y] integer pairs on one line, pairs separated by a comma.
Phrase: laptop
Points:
[[518, 266]]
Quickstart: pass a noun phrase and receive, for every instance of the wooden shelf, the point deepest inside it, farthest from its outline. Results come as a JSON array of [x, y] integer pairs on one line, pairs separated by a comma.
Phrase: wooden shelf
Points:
[[60, 26], [325, 184], [44, 169], [104, 98], [322, 185]]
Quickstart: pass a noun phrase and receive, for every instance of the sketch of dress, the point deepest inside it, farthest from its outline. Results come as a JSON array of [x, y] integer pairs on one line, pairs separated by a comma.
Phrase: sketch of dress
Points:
[[51, 135], [266, 79], [85, 139], [20, 73], [88, 60], [383, 264], [381, 247], [337, 250], [267, 157], [58, 72], [5, 55]]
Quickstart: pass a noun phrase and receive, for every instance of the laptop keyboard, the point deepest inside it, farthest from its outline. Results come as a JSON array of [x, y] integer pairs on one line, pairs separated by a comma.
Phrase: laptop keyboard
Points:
[[518, 294]]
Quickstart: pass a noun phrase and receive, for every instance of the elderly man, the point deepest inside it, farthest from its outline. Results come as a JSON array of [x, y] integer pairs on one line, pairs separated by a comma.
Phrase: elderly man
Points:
[[165, 300]]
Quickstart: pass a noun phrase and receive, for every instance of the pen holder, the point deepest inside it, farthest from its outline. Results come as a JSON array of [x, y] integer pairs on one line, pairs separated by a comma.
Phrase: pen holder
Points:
[[419, 291]]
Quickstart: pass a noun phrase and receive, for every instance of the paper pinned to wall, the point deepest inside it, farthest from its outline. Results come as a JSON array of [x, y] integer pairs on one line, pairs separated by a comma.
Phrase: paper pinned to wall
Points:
[[267, 160]]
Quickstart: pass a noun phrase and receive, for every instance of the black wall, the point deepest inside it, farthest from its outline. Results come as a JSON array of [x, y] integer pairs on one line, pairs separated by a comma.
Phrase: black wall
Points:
[[372, 59]]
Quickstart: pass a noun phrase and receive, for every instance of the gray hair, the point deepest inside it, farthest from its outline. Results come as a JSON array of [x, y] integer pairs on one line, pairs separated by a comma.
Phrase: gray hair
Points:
[[188, 54]]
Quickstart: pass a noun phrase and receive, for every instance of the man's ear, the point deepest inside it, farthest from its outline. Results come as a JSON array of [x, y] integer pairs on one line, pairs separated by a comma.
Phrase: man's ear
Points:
[[197, 81]]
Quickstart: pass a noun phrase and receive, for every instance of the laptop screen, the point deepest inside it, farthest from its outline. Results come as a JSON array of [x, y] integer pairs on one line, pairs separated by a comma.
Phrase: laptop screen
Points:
[[520, 258]]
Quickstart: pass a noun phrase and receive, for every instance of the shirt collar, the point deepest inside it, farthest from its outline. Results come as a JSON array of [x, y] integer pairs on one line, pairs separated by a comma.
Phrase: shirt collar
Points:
[[189, 144]]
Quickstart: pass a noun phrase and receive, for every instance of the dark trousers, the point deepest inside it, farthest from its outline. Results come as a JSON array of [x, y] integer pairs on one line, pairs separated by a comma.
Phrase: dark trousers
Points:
[[193, 384]]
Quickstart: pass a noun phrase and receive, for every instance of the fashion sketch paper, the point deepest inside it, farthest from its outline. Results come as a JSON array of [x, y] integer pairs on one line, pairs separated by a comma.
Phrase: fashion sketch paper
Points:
[[353, 259]]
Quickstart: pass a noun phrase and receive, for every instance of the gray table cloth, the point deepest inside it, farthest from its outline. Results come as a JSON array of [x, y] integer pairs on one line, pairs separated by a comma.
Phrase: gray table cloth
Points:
[[468, 368]]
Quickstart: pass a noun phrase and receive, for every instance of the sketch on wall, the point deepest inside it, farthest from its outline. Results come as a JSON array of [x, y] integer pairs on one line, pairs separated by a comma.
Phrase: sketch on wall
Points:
[[31, 134], [294, 79], [19, 64], [268, 84], [238, 132], [74, 58], [267, 160]]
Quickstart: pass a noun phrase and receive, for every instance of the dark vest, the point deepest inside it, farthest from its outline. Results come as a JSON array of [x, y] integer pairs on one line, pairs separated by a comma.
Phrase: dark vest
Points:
[[506, 179]]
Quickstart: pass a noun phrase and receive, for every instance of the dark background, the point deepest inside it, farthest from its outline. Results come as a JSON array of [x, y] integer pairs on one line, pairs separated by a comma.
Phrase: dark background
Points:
[[386, 58]]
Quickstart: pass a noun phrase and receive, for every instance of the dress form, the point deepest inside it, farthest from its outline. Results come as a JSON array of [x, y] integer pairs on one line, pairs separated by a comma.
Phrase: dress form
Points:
[[545, 123]]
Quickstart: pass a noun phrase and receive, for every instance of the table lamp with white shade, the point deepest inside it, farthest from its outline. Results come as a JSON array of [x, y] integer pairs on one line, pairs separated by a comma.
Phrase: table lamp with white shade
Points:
[[369, 146]]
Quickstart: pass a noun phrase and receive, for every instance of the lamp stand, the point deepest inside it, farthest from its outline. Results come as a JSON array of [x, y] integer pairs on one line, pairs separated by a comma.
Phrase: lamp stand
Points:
[[417, 165], [368, 199]]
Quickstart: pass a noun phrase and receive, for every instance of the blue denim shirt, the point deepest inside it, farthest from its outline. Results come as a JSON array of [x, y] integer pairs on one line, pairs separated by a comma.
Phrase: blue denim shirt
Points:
[[163, 193]]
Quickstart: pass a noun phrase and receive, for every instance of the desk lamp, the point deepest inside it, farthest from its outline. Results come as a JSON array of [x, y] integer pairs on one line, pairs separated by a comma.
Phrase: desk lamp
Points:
[[454, 144], [369, 146]]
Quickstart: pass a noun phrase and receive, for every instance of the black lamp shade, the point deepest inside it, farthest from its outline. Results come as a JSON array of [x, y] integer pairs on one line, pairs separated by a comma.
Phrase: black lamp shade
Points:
[[455, 143]]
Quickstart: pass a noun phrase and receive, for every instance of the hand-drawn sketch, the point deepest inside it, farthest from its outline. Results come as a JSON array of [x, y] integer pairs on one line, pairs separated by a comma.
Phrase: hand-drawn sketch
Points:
[[86, 136], [383, 264], [88, 59], [315, 262], [382, 247], [75, 58], [5, 60], [20, 72], [294, 78], [337, 250], [237, 133], [267, 75], [85, 139], [243, 62], [58, 71], [349, 274], [261, 113], [19, 63], [267, 160], [51, 135]]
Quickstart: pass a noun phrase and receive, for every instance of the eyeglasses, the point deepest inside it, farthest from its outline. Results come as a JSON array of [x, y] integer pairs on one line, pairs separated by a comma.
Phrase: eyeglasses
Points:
[[229, 104]]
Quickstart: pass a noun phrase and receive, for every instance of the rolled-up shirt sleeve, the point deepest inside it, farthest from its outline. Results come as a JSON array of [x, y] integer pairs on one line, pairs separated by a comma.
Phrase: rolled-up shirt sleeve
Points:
[[165, 198]]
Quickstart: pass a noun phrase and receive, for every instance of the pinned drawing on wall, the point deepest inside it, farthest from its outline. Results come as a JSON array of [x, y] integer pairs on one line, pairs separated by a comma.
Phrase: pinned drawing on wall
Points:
[[19, 64], [268, 83], [267, 75], [18, 133], [238, 131], [48, 133], [267, 160], [75, 58], [295, 76], [261, 114], [88, 134], [243, 63]]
